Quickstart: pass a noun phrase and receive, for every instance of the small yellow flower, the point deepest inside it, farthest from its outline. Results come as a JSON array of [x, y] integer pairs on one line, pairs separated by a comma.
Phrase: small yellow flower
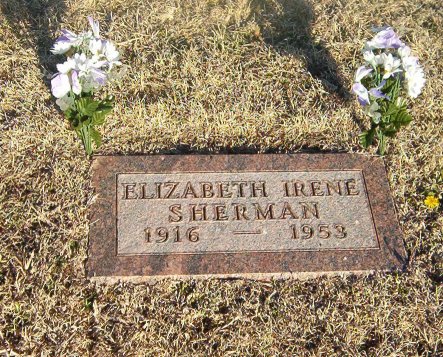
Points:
[[431, 202]]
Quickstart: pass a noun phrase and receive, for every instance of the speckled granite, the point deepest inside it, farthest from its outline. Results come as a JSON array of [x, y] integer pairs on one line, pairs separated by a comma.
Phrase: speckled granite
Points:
[[127, 213]]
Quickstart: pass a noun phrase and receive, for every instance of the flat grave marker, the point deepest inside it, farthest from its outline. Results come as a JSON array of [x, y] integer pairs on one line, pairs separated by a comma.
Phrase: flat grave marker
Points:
[[241, 216]]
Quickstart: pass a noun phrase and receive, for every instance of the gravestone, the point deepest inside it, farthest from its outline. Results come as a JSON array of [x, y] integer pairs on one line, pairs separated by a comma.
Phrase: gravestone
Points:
[[254, 216]]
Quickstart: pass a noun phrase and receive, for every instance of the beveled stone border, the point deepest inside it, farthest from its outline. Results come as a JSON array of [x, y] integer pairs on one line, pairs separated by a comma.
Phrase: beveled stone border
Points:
[[104, 262]]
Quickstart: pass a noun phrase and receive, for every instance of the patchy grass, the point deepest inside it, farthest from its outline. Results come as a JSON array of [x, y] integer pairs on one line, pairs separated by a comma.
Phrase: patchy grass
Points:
[[210, 76]]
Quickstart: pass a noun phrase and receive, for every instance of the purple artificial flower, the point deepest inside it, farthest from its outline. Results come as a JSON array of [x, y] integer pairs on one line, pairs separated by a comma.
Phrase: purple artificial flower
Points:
[[358, 88], [362, 72], [386, 38], [377, 93], [68, 36], [98, 76], [64, 43], [362, 93]]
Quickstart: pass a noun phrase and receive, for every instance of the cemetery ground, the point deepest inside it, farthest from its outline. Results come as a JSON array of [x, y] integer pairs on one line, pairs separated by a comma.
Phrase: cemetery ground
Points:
[[210, 77]]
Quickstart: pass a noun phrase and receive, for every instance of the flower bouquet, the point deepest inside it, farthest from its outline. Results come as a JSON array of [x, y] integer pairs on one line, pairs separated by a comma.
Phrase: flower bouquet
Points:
[[90, 64], [390, 74]]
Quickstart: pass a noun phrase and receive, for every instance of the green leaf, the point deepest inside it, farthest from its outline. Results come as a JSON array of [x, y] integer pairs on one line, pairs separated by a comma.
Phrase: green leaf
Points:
[[106, 109], [367, 137], [95, 135], [390, 132], [75, 120], [381, 143], [86, 120], [87, 106], [392, 109], [84, 134], [70, 113], [98, 118], [392, 88], [403, 118]]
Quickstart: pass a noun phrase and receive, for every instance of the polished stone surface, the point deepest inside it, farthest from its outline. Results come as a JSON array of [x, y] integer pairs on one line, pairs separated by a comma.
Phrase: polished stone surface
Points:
[[242, 212], [241, 215]]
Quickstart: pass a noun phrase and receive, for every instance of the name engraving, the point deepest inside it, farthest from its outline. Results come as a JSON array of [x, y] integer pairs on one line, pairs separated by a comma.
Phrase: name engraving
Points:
[[163, 213]]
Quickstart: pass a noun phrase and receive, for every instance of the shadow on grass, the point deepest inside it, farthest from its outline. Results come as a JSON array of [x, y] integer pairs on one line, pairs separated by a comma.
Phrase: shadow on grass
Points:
[[286, 26], [186, 149], [39, 19]]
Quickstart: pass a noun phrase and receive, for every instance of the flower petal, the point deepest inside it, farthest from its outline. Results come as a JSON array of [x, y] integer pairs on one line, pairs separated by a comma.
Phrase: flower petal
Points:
[[98, 76], [362, 72], [95, 26], [61, 47], [362, 93], [60, 85], [66, 66], [386, 38], [376, 93], [76, 87]]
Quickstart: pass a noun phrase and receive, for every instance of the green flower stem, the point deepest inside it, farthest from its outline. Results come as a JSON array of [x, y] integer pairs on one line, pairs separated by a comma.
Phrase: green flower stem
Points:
[[85, 136]]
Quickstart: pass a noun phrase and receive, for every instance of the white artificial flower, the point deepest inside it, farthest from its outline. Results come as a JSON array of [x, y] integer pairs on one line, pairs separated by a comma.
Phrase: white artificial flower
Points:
[[362, 93], [66, 66], [414, 76], [369, 57], [404, 51], [61, 47], [88, 84], [95, 26], [75, 81], [79, 73], [410, 62], [87, 75], [69, 40], [97, 47], [83, 64], [66, 102], [63, 83], [390, 64], [93, 80], [112, 55], [372, 111]]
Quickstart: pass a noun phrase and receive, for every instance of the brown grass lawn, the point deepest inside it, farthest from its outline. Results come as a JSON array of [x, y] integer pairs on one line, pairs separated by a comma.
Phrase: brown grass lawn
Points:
[[211, 76]]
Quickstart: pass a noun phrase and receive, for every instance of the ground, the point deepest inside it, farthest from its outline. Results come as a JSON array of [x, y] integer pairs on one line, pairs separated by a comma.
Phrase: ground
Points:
[[211, 76]]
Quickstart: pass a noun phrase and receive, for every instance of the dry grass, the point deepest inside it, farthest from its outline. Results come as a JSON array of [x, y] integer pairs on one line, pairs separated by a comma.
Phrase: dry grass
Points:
[[210, 76]]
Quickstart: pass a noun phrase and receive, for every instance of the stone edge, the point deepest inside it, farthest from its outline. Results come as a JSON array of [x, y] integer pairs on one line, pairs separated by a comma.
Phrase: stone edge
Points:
[[100, 264]]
